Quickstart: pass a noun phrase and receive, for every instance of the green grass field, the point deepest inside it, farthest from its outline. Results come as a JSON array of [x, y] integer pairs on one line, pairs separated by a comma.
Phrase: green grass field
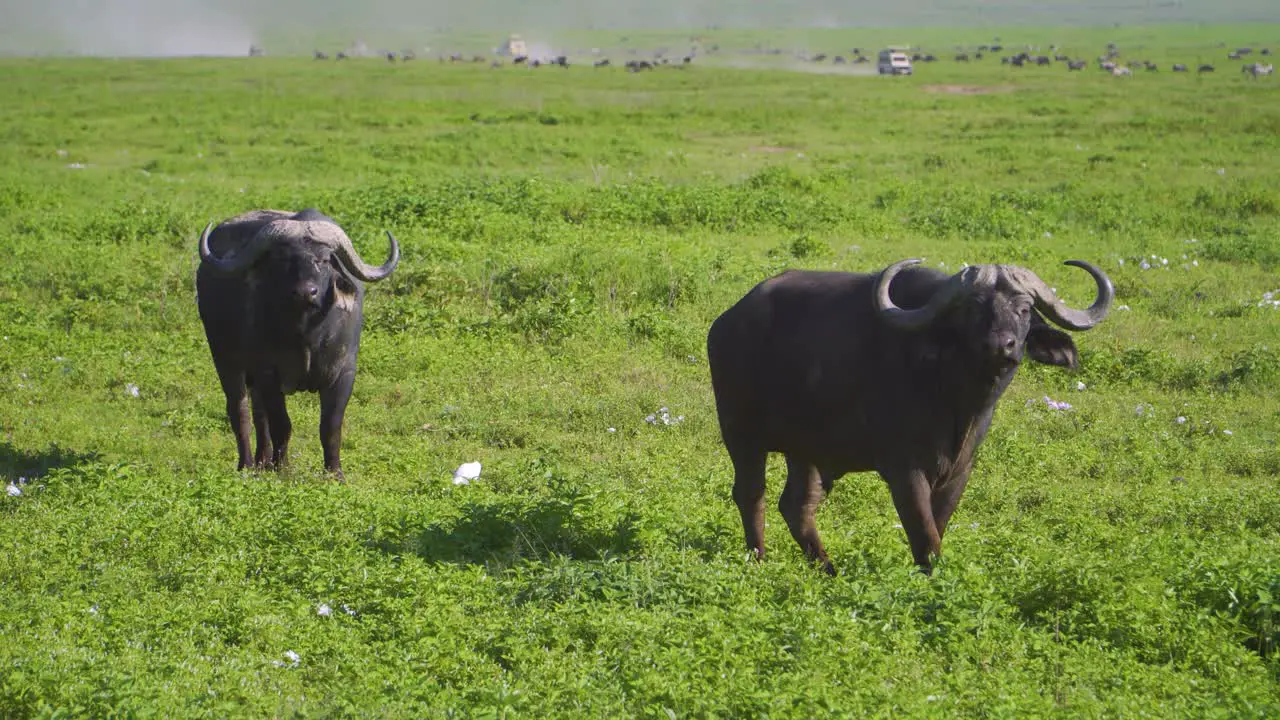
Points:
[[568, 237]]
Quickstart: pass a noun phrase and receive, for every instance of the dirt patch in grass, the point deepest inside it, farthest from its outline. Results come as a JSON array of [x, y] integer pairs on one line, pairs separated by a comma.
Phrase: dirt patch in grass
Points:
[[967, 89]]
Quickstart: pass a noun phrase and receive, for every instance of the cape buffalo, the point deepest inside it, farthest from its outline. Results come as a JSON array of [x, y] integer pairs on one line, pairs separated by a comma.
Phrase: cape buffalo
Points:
[[897, 372], [281, 299]]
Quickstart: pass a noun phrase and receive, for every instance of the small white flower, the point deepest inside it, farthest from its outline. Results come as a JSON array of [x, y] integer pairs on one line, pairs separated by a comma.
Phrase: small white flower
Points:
[[291, 656], [1227, 432], [93, 610], [131, 389], [613, 430], [324, 610], [1180, 419], [348, 609], [1048, 234], [1123, 307], [1056, 404], [59, 358], [898, 525], [13, 490], [466, 472], [1080, 386]]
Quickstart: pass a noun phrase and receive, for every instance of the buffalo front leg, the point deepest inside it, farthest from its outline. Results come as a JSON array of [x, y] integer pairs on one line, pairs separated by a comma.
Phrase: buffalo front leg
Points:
[[912, 498], [748, 494], [798, 503], [262, 435], [279, 427], [946, 496], [238, 416], [333, 407]]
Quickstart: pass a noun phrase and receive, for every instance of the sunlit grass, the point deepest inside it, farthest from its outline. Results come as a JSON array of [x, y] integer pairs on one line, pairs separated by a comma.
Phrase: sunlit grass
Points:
[[568, 236]]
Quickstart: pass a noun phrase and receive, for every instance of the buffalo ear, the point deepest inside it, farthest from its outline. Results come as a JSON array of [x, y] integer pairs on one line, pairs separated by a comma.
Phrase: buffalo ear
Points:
[[1051, 346], [344, 289]]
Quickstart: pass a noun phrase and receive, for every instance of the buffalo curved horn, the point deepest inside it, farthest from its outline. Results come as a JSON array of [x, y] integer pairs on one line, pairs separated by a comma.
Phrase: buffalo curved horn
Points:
[[239, 259], [917, 318], [1053, 308], [366, 272], [333, 236]]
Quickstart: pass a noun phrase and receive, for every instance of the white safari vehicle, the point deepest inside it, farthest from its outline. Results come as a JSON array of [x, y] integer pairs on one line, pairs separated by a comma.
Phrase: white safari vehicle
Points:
[[894, 61]]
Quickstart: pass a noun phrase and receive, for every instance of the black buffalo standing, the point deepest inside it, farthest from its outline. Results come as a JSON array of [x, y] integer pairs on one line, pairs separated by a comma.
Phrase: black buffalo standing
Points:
[[281, 298], [829, 369]]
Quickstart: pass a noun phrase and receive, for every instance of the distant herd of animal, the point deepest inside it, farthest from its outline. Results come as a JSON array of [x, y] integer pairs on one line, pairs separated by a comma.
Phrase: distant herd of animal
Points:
[[896, 371], [520, 60], [1108, 62]]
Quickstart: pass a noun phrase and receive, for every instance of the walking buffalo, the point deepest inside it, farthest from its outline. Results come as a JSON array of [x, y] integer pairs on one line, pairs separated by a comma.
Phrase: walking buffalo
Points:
[[897, 372], [281, 299]]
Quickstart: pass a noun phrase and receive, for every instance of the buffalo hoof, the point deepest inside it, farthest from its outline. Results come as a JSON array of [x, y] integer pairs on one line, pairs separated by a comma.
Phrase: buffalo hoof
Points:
[[829, 569]]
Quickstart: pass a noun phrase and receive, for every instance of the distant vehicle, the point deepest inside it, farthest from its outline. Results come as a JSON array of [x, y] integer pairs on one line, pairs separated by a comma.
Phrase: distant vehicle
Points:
[[894, 61], [514, 47]]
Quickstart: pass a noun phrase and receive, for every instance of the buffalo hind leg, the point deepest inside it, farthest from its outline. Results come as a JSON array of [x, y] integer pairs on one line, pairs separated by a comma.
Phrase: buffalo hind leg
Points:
[[911, 496], [799, 501], [278, 424], [748, 494], [333, 406]]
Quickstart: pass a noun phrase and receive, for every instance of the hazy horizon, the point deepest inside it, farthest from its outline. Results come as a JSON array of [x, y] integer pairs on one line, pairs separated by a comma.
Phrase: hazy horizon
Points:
[[228, 27]]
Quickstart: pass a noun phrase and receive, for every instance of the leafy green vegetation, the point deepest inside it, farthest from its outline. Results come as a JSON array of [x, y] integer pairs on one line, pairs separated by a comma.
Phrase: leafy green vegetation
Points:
[[568, 236]]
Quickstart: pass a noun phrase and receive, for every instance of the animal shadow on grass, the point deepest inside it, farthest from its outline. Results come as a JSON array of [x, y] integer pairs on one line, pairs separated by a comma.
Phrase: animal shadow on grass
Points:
[[508, 531], [16, 462]]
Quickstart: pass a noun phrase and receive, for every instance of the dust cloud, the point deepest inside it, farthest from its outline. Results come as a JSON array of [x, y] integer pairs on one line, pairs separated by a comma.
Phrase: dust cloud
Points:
[[125, 28]]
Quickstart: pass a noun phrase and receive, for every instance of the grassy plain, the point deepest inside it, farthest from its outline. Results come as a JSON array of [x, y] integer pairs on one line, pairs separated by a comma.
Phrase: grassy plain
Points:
[[568, 236]]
